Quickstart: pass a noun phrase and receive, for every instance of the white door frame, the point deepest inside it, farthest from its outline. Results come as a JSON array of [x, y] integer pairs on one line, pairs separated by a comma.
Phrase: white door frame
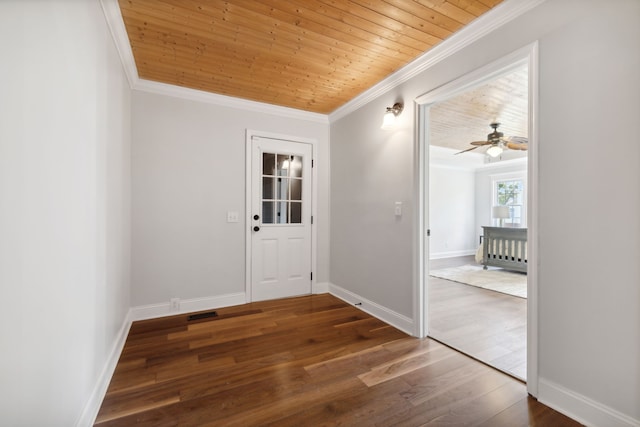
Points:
[[526, 55], [247, 208]]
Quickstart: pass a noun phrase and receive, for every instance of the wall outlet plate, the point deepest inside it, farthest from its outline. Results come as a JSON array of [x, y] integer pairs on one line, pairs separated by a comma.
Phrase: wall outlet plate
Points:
[[175, 304]]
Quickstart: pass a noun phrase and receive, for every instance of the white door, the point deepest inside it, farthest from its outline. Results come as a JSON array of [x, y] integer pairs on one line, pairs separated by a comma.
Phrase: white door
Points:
[[280, 218]]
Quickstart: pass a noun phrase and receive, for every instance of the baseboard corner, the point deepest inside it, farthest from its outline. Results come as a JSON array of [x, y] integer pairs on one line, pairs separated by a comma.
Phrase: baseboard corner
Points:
[[92, 406], [397, 320]]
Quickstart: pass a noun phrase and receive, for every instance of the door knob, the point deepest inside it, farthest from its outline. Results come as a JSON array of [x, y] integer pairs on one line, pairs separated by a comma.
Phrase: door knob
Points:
[[256, 228], [256, 217]]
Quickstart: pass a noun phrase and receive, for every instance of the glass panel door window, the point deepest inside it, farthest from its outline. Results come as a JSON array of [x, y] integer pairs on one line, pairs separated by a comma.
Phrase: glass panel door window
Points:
[[281, 189]]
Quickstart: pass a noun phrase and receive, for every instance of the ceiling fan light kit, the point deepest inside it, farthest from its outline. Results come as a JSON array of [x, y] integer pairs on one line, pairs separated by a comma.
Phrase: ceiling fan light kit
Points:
[[494, 150]]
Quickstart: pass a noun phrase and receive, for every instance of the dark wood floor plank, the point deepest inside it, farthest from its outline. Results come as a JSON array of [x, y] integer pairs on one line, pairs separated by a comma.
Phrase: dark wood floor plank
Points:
[[440, 404], [311, 360], [357, 408], [404, 365]]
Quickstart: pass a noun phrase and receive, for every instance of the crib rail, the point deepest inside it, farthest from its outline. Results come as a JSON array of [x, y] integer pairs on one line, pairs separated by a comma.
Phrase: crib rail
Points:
[[505, 247]]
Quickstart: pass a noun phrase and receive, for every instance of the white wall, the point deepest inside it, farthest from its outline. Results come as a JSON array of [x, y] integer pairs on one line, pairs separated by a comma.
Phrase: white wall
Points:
[[589, 299], [452, 199], [188, 171], [64, 208], [589, 269], [371, 249]]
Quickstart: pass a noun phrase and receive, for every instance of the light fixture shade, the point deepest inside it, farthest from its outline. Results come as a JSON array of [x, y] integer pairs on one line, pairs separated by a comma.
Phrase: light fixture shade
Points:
[[388, 120], [500, 212], [494, 150]]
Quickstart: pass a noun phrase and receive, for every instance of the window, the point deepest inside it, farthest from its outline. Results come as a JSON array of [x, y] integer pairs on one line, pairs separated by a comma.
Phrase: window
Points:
[[281, 189], [511, 192]]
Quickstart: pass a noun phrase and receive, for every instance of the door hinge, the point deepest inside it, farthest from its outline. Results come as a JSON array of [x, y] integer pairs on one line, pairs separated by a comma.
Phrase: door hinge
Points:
[[428, 232], [312, 275], [312, 162], [311, 219]]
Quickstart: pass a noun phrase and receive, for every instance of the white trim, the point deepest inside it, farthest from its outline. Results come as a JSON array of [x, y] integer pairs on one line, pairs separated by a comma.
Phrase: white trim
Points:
[[581, 408], [528, 56], [314, 202], [152, 311], [394, 319], [227, 101], [495, 18], [118, 31], [500, 67], [504, 164], [532, 226], [91, 408], [450, 254], [421, 156], [320, 288]]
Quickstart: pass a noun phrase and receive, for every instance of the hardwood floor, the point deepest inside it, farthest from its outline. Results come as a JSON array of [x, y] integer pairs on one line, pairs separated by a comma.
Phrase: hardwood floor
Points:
[[487, 325], [306, 361]]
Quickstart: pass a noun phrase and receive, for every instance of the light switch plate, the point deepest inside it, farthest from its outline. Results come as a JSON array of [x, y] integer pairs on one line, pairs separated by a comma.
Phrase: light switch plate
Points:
[[398, 209]]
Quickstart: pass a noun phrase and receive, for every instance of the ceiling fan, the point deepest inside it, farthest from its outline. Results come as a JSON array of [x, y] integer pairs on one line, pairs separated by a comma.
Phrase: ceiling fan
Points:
[[498, 142]]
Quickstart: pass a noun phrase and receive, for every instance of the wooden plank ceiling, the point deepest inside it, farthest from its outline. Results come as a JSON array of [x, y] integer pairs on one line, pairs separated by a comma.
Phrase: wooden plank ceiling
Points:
[[457, 121], [312, 55]]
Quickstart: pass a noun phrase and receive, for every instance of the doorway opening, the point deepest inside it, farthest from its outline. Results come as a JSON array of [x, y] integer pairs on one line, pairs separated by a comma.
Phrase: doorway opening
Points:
[[477, 209]]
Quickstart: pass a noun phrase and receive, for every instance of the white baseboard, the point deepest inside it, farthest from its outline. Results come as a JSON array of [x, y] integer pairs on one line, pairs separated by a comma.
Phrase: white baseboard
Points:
[[152, 311], [397, 320], [581, 408], [451, 254], [320, 288], [91, 408]]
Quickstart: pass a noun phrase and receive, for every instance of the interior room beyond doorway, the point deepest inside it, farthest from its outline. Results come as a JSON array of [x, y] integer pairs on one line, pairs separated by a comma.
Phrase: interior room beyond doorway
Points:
[[477, 178]]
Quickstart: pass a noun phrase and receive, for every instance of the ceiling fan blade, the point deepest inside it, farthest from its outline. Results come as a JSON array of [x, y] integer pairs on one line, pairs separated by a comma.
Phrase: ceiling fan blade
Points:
[[512, 145], [481, 143], [464, 151], [517, 139]]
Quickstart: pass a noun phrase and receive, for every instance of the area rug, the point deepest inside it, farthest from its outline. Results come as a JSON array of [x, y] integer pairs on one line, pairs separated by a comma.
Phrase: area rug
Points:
[[495, 279]]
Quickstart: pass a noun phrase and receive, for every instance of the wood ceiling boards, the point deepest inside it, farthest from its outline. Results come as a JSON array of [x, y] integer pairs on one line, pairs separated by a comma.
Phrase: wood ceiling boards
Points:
[[457, 121], [312, 55]]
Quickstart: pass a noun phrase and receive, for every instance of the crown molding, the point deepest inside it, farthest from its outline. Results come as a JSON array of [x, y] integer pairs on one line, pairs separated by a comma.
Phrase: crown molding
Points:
[[495, 18], [485, 24], [227, 101], [118, 31], [115, 23]]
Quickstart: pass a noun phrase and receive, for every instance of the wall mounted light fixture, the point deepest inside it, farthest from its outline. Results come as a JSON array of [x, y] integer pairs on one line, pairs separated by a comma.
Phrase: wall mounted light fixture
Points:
[[390, 115]]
